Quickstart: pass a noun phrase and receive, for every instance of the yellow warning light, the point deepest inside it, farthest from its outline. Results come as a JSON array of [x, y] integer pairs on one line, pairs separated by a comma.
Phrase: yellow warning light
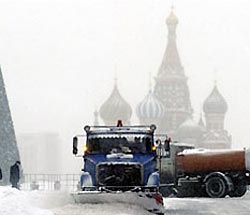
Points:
[[85, 148], [154, 148]]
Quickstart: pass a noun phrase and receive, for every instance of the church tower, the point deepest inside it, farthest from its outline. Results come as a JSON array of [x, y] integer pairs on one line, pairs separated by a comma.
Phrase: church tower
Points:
[[171, 83], [9, 153], [215, 108]]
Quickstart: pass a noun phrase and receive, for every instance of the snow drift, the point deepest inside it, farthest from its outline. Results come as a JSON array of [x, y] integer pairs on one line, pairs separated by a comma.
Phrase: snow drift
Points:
[[16, 202]]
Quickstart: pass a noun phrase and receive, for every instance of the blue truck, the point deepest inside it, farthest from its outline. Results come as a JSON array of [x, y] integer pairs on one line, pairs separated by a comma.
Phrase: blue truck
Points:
[[120, 164]]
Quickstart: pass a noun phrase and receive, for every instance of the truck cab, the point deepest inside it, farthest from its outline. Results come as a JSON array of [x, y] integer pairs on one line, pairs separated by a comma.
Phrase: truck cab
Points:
[[166, 163], [119, 157]]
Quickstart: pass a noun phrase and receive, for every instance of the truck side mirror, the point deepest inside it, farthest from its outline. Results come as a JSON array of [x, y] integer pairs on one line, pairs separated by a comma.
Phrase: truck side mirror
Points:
[[167, 144], [75, 143], [159, 148]]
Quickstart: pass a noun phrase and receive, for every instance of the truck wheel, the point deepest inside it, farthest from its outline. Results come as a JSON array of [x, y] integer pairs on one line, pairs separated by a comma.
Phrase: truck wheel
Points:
[[216, 187], [239, 190]]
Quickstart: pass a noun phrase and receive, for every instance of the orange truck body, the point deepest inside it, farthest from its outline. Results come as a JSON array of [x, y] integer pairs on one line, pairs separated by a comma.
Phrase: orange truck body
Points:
[[193, 161]]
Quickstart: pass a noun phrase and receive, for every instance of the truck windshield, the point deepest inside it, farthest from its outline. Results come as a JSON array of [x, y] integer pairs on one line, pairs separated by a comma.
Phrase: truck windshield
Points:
[[119, 143]]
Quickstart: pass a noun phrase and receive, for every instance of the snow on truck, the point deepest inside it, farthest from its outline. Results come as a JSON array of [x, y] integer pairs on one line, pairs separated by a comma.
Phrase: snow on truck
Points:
[[120, 166], [203, 172]]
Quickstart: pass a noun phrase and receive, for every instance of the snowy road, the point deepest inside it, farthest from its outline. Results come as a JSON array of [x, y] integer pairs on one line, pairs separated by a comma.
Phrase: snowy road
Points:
[[191, 206], [14, 202], [177, 206]]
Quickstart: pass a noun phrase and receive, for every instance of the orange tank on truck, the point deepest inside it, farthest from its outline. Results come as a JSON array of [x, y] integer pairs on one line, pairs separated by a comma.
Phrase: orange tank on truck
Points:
[[204, 160]]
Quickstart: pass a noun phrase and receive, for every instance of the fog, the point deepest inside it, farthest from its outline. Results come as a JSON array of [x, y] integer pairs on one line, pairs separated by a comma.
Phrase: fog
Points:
[[59, 58]]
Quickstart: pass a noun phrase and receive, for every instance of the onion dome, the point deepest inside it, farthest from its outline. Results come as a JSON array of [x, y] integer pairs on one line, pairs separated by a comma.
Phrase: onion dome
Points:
[[215, 103], [115, 108], [172, 18], [189, 129], [150, 108]]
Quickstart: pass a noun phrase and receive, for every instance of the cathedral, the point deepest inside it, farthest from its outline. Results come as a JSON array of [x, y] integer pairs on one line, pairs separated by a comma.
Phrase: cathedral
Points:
[[168, 104]]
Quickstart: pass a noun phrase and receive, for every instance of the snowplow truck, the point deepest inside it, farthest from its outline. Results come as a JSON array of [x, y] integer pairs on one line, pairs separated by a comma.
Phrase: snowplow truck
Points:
[[204, 172], [119, 166]]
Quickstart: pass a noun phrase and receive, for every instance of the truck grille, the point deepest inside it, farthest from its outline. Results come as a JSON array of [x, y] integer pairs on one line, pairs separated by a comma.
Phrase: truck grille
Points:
[[119, 175]]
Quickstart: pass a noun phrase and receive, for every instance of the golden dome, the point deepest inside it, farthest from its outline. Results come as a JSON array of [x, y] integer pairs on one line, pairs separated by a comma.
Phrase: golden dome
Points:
[[172, 18]]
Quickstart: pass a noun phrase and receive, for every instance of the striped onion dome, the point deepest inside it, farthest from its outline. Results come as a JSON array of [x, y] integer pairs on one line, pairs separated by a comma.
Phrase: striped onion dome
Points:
[[115, 107], [150, 108], [215, 103]]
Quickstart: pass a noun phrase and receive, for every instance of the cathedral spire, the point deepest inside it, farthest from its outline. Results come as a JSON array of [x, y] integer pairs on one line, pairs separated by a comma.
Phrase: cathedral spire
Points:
[[172, 19], [171, 63], [171, 83]]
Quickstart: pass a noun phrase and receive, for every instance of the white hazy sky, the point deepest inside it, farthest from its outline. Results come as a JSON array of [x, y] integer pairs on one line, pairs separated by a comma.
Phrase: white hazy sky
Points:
[[58, 57]]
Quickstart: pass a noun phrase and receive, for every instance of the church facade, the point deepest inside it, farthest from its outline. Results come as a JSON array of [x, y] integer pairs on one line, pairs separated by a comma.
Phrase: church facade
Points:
[[168, 105]]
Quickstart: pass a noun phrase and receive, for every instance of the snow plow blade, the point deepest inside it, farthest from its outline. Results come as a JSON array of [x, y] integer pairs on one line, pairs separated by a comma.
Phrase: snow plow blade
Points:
[[150, 201]]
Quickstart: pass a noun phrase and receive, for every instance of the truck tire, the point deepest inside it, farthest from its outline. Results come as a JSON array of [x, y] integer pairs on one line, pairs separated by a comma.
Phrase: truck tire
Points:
[[216, 187], [239, 190]]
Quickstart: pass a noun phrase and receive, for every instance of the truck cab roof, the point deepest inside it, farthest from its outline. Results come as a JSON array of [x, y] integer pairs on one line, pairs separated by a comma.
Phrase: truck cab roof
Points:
[[120, 130]]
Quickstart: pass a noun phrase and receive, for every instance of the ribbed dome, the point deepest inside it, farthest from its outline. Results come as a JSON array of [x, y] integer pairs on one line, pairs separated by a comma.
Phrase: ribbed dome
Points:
[[150, 108], [172, 19], [189, 129], [115, 107], [215, 103]]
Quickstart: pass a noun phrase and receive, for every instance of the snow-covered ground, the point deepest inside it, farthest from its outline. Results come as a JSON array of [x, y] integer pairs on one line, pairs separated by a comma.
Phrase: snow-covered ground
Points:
[[208, 206], [15, 202], [18, 202]]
